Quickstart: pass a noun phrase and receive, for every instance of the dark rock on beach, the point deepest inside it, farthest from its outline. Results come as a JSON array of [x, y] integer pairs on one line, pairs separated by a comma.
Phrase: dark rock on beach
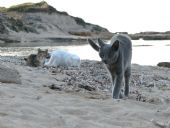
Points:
[[148, 35], [151, 35], [164, 64], [9, 75]]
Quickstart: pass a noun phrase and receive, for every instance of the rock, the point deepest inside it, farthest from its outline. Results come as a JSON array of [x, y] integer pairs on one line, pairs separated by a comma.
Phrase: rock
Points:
[[55, 87], [161, 124], [151, 35], [164, 64], [86, 87], [9, 75], [41, 18]]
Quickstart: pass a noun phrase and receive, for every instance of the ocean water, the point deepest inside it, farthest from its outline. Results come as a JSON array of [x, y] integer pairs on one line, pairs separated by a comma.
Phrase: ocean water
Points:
[[144, 52]]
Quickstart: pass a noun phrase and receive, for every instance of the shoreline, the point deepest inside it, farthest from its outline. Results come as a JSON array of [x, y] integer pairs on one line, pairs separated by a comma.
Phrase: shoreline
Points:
[[24, 39]]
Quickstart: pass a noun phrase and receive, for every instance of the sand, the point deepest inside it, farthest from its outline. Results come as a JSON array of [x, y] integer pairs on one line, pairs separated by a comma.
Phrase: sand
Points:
[[81, 98]]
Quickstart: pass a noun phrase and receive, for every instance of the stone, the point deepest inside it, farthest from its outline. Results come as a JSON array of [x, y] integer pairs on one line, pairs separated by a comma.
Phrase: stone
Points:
[[164, 64], [9, 75]]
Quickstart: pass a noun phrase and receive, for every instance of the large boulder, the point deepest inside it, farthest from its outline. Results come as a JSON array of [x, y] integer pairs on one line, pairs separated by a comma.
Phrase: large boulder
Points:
[[164, 64], [9, 75]]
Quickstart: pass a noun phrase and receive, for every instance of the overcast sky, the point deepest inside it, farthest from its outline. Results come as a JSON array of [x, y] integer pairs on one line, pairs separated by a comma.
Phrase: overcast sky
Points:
[[116, 15]]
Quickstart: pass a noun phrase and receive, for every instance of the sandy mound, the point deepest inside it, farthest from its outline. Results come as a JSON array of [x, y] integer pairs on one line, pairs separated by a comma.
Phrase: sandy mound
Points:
[[81, 98]]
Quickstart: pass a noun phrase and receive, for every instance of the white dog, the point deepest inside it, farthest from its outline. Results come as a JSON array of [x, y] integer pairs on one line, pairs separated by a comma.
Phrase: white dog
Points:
[[63, 58]]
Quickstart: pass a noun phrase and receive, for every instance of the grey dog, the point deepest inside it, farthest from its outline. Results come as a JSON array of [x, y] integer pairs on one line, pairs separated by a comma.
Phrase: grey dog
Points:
[[117, 58]]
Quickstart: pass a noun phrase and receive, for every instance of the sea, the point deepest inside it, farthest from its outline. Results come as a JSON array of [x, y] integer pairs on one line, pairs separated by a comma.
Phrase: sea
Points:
[[149, 52]]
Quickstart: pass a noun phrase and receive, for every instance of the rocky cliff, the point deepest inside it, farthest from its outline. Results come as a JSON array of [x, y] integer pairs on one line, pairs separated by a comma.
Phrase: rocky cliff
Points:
[[43, 20]]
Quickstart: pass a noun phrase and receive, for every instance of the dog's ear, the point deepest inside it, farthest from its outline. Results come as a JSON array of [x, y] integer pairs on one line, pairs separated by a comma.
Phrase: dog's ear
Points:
[[93, 45], [115, 45], [100, 42]]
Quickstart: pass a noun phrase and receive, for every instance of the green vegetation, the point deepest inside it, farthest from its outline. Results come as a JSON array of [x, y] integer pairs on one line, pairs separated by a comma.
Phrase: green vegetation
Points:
[[80, 21], [97, 28], [30, 7], [3, 9], [33, 8]]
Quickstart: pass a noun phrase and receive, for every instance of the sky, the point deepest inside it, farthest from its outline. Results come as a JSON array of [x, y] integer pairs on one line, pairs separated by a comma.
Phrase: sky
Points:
[[116, 15]]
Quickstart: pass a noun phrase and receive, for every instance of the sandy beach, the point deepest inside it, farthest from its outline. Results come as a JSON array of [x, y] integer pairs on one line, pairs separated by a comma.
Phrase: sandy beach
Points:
[[40, 97], [81, 97]]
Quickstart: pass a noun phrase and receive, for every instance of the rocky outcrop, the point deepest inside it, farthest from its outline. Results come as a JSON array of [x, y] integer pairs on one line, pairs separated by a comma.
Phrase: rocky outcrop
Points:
[[164, 64], [148, 35], [9, 23], [9, 75], [42, 19], [151, 35]]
